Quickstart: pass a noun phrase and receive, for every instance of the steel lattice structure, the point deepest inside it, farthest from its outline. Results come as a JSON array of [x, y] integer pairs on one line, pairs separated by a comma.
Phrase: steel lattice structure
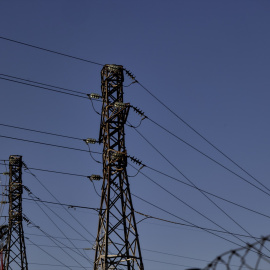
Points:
[[117, 243], [15, 255]]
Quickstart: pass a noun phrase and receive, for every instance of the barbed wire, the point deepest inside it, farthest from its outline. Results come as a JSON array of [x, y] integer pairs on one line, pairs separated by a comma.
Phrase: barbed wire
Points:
[[253, 256]]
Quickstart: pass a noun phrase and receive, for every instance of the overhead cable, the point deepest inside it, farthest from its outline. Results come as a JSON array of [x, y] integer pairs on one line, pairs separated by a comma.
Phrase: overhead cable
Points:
[[193, 226], [149, 92], [51, 51], [209, 193], [164, 174], [40, 182], [165, 129], [49, 144], [76, 138], [210, 158], [44, 88], [188, 222], [60, 230], [200, 135], [55, 258], [42, 132], [63, 204], [61, 88], [223, 211]]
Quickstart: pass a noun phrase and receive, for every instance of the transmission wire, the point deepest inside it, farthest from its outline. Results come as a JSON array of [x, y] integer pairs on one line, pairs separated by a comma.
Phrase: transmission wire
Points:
[[36, 201], [44, 88], [215, 161], [193, 225], [164, 174], [200, 135], [147, 90], [49, 254], [58, 201], [194, 186], [51, 51], [49, 144]]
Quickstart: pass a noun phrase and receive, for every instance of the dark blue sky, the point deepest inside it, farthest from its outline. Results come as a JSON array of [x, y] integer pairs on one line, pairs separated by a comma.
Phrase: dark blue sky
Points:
[[208, 61]]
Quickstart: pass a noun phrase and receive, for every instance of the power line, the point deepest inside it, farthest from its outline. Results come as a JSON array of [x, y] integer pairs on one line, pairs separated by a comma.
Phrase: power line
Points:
[[195, 187], [174, 255], [62, 204], [44, 88], [209, 193], [51, 51], [57, 172], [61, 231], [42, 132], [200, 135], [75, 250], [168, 263], [156, 218], [166, 175], [49, 144], [49, 254], [162, 127], [57, 265], [190, 223], [150, 260], [149, 92], [189, 206], [76, 138], [61, 88], [59, 202], [192, 226], [57, 237], [227, 240], [210, 158], [51, 246], [140, 213], [194, 148], [149, 250], [145, 249]]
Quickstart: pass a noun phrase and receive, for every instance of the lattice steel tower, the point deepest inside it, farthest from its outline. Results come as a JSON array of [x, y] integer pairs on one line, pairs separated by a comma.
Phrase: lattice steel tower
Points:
[[117, 243], [15, 255]]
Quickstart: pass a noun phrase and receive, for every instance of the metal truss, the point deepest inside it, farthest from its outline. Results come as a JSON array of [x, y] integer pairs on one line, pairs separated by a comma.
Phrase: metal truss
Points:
[[117, 243], [15, 255]]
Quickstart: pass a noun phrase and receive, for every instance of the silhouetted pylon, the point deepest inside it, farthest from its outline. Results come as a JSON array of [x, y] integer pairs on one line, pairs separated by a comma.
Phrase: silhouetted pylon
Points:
[[15, 255], [117, 243]]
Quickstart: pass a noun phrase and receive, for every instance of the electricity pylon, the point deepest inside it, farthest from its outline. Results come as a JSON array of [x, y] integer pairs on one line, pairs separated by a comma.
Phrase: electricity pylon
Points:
[[15, 255], [117, 243]]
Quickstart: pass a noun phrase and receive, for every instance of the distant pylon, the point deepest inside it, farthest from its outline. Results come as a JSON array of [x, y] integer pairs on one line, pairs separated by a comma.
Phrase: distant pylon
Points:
[[15, 255], [117, 243]]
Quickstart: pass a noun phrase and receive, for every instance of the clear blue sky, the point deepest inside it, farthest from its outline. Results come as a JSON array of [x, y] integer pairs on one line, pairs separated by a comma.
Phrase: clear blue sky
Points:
[[208, 61]]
